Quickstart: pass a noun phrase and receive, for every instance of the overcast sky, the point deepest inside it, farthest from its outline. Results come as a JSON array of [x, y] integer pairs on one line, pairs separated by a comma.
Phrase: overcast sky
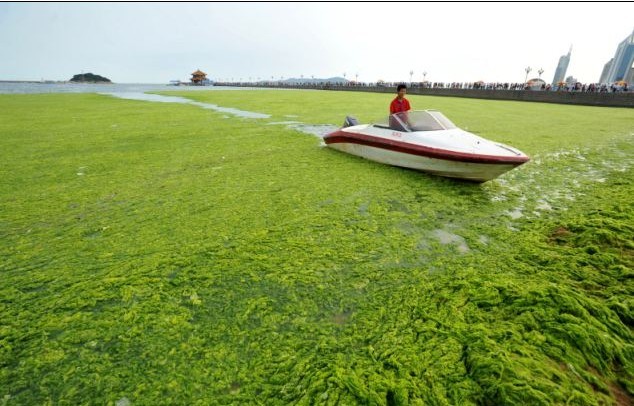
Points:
[[155, 43]]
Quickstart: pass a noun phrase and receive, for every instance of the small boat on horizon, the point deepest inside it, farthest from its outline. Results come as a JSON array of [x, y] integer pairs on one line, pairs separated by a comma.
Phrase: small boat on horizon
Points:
[[428, 141]]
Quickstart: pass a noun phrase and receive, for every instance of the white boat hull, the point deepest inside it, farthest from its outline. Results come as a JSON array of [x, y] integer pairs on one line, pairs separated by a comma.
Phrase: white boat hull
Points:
[[453, 153], [477, 172]]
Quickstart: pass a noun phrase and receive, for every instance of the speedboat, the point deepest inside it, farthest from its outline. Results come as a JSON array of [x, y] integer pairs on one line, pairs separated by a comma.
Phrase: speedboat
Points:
[[428, 141]]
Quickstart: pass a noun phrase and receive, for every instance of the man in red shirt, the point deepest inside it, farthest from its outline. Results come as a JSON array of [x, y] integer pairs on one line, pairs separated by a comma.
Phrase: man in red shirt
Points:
[[400, 103]]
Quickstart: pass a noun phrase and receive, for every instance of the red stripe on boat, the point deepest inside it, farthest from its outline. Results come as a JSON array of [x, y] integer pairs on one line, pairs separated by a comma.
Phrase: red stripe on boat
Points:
[[413, 149]]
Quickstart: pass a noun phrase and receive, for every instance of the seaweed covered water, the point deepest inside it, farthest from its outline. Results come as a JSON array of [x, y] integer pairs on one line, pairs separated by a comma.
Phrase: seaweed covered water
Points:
[[318, 130], [166, 254]]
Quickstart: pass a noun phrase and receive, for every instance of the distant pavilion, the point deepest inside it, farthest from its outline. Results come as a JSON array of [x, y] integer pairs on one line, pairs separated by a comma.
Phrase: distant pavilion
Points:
[[198, 77]]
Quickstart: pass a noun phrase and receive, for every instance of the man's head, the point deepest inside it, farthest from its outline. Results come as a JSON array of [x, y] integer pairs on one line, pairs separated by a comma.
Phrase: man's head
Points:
[[401, 90]]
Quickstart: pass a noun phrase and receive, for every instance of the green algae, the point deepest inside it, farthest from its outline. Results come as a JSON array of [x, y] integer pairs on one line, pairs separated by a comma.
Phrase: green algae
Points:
[[165, 255]]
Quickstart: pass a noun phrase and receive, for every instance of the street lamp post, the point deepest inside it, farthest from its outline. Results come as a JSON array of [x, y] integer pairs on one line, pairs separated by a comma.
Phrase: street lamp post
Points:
[[540, 71], [356, 77], [528, 70], [411, 73]]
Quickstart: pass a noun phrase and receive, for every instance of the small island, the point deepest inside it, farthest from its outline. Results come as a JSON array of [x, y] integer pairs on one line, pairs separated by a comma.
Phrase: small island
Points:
[[89, 78]]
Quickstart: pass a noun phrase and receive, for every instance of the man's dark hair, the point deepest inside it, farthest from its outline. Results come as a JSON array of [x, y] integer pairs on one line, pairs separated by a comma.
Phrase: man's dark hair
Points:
[[401, 86]]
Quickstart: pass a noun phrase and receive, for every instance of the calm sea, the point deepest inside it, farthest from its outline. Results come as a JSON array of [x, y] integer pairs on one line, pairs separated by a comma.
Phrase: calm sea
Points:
[[99, 88]]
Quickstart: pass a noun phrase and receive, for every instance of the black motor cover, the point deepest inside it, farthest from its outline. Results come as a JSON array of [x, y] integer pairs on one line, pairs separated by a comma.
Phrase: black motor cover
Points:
[[350, 121]]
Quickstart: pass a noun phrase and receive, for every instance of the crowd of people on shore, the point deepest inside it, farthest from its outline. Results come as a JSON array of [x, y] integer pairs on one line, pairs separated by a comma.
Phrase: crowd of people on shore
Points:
[[568, 87], [562, 87]]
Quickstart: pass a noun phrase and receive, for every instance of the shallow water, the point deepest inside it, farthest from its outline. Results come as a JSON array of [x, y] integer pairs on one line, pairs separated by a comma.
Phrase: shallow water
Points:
[[445, 237], [284, 122], [554, 181], [543, 205], [516, 213], [318, 130], [33, 87], [177, 99]]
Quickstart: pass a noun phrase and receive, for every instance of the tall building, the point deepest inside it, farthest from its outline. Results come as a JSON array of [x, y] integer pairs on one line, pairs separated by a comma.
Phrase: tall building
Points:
[[630, 78], [562, 67], [622, 61], [604, 72]]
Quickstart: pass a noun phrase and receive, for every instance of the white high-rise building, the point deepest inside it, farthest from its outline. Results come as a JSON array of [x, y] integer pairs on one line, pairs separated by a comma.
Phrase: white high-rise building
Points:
[[562, 67], [622, 62], [605, 71]]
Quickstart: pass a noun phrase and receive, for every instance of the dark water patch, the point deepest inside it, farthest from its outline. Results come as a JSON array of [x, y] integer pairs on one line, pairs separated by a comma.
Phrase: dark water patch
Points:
[[398, 206], [342, 317], [364, 208]]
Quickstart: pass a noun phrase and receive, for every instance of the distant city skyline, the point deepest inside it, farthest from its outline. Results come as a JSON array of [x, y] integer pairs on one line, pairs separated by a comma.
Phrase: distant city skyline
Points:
[[159, 42]]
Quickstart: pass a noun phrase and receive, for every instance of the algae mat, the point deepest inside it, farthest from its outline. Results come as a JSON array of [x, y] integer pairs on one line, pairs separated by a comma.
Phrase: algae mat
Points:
[[165, 254]]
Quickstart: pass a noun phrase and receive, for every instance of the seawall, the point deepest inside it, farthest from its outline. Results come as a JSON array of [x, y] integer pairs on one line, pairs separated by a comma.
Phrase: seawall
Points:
[[622, 99]]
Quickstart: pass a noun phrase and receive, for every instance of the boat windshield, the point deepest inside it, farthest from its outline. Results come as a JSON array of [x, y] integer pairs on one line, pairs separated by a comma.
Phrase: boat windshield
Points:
[[420, 120]]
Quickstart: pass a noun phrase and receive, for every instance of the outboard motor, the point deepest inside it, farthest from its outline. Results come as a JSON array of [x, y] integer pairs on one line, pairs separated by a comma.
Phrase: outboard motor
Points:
[[350, 121]]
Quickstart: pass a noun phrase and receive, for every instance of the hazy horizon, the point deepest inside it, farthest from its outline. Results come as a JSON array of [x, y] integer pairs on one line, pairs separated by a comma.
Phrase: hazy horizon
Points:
[[159, 42]]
